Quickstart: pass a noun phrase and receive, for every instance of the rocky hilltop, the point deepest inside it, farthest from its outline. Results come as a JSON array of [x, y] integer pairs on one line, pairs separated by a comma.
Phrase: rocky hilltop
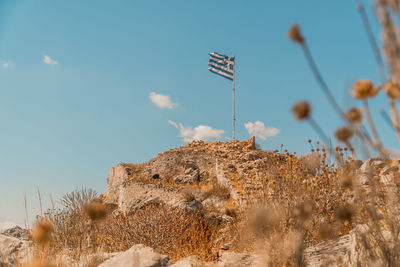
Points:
[[237, 167]]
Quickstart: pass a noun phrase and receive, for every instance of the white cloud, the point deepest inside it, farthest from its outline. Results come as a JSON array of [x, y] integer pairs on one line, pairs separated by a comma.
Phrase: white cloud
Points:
[[259, 130], [48, 60], [162, 101], [173, 124], [201, 132], [5, 64]]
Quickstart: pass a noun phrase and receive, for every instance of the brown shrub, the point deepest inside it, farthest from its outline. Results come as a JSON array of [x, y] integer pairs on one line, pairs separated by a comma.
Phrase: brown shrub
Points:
[[167, 229]]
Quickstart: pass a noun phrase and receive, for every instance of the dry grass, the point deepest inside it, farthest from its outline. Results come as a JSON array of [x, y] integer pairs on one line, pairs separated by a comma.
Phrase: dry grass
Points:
[[169, 230], [85, 229]]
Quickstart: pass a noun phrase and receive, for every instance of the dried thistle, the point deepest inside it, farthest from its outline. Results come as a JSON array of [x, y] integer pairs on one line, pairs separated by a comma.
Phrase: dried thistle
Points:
[[301, 110], [95, 210], [42, 231], [354, 115], [345, 213], [347, 182], [343, 134], [326, 231], [392, 89], [304, 210], [295, 35], [363, 89]]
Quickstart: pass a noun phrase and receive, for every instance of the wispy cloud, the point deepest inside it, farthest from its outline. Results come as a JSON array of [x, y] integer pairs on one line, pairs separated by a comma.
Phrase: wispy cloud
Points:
[[5, 63], [259, 130], [162, 101], [201, 132], [48, 60], [173, 124]]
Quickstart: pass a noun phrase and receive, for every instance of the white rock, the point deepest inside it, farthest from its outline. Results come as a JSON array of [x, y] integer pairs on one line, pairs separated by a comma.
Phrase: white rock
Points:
[[137, 256], [192, 261], [13, 250]]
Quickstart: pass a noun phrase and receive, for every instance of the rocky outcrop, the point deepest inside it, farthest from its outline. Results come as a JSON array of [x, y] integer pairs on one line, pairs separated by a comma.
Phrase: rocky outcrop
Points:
[[197, 165], [13, 251], [16, 232]]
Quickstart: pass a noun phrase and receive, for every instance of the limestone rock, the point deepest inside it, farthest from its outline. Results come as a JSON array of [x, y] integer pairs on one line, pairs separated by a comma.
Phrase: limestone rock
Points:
[[252, 143], [137, 256], [191, 261], [13, 250], [234, 259], [115, 180], [16, 232]]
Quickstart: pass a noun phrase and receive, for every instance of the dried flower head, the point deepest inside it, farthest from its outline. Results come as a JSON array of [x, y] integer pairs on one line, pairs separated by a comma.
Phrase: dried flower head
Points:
[[264, 219], [354, 115], [326, 231], [347, 181], [301, 110], [95, 210], [345, 213], [343, 134], [295, 35], [41, 233], [363, 89], [304, 210], [392, 89]]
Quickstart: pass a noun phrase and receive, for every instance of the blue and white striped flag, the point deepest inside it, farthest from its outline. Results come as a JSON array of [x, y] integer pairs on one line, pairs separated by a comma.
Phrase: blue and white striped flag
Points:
[[222, 65]]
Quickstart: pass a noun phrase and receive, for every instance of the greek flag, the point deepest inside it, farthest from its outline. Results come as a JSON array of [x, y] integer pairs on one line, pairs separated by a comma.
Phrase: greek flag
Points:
[[222, 65]]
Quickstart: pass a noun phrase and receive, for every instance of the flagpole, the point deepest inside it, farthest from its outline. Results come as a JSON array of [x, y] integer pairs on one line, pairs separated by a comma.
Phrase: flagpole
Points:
[[234, 118]]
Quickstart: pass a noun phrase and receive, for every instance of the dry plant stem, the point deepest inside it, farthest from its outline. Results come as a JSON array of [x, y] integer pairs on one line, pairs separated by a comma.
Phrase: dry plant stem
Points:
[[40, 201], [372, 41], [353, 151], [321, 81], [326, 90], [386, 118], [392, 50], [26, 212], [395, 117], [372, 126], [318, 130]]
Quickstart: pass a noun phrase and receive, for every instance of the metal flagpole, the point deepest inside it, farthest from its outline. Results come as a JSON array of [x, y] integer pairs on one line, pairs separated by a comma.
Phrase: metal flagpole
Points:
[[234, 119]]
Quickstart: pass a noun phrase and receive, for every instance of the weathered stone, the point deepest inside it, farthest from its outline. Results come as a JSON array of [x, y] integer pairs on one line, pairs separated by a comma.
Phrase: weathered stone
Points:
[[251, 143], [191, 261], [190, 176], [16, 232], [13, 250], [137, 256], [233, 259], [115, 180]]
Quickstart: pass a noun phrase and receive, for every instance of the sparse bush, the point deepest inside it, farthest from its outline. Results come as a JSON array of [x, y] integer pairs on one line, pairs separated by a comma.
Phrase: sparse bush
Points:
[[78, 198], [218, 190]]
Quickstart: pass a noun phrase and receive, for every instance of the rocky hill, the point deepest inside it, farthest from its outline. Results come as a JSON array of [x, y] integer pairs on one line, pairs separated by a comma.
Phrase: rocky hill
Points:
[[241, 206], [237, 167]]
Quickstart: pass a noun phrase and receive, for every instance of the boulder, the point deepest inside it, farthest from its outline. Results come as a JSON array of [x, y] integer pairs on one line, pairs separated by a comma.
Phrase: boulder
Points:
[[137, 256], [13, 251]]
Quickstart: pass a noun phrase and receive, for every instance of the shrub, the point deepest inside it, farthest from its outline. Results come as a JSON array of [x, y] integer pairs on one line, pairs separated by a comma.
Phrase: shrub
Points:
[[167, 229]]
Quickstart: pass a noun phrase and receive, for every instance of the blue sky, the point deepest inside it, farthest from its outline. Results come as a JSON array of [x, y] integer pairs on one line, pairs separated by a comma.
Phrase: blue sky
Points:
[[65, 125]]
